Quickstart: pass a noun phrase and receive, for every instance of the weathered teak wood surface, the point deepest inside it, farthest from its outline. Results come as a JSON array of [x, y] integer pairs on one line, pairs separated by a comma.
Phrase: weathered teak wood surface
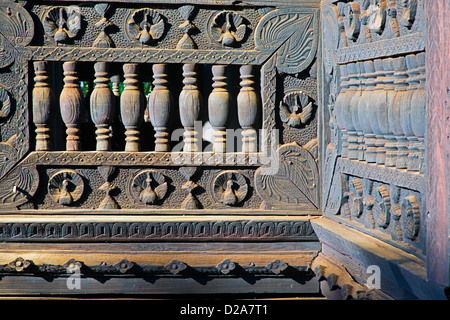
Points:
[[134, 134]]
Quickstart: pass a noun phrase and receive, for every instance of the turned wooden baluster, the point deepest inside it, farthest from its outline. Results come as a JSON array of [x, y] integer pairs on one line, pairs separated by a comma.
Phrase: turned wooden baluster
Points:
[[248, 104], [389, 146], [218, 108], [103, 106], [385, 93], [132, 106], [418, 116], [71, 105], [357, 103], [397, 153], [369, 136], [43, 100], [159, 107], [190, 103]]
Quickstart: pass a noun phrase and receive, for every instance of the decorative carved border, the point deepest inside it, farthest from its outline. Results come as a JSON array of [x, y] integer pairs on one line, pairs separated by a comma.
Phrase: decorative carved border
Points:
[[157, 231], [383, 48]]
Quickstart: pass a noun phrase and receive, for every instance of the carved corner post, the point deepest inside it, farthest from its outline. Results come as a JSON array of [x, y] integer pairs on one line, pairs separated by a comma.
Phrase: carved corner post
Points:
[[132, 106], [103, 106], [248, 105], [219, 107], [340, 108], [72, 105], [43, 100], [160, 106], [190, 104]]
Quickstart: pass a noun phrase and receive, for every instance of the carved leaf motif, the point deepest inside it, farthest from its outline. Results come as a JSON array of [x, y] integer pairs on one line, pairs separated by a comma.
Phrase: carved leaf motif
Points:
[[18, 186], [294, 179], [293, 33], [16, 30]]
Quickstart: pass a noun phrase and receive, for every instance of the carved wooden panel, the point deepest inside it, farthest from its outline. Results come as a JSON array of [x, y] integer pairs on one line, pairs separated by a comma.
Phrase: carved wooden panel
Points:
[[147, 108], [374, 168]]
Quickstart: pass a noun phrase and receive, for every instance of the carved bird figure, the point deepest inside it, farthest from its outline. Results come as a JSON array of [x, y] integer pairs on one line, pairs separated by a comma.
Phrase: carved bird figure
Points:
[[62, 23], [149, 195], [297, 112], [64, 197], [230, 188], [231, 31], [151, 28]]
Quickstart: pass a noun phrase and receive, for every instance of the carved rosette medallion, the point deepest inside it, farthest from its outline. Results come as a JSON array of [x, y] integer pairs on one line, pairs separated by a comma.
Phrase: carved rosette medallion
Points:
[[149, 187], [62, 23], [228, 28], [296, 109], [145, 26], [230, 188], [290, 180], [66, 187]]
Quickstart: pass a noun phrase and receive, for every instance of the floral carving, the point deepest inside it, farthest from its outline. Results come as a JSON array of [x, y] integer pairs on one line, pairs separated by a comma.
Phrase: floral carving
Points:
[[62, 23], [296, 109], [228, 28], [124, 265], [103, 40], [145, 26], [66, 187], [226, 266], [175, 266]]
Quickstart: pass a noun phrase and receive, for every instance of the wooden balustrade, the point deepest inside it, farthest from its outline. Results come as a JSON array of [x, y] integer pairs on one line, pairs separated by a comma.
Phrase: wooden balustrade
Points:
[[109, 96], [380, 111]]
